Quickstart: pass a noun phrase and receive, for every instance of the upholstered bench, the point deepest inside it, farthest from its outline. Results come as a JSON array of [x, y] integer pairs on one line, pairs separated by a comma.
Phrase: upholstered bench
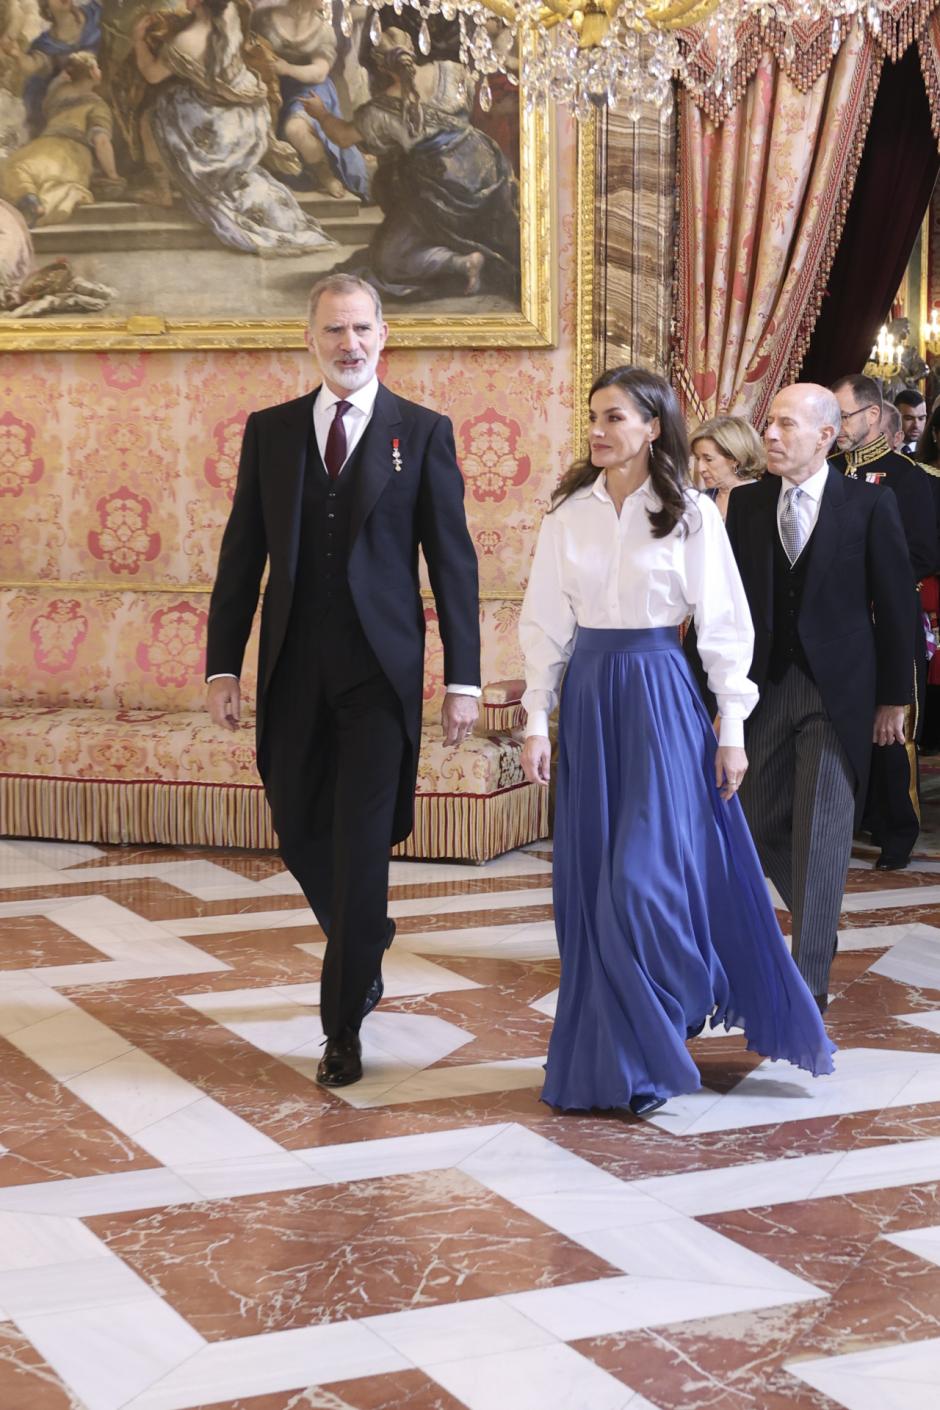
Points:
[[103, 738]]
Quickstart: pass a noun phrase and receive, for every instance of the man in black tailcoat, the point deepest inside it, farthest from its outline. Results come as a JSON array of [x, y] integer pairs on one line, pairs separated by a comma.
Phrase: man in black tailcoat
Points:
[[335, 493]]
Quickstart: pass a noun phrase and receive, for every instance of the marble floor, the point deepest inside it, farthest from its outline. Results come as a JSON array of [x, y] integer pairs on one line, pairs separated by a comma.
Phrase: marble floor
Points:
[[187, 1222]]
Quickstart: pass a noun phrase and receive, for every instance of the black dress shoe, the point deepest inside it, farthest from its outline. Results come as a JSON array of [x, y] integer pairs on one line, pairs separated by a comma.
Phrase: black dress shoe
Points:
[[644, 1102], [341, 1063], [892, 863], [694, 1032], [377, 988], [822, 1002]]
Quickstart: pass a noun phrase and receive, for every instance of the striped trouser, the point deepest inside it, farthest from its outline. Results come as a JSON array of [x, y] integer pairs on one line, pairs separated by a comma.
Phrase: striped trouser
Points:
[[799, 800]]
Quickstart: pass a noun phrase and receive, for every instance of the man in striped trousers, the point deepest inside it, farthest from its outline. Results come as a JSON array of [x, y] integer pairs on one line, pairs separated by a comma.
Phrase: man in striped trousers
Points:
[[828, 578]]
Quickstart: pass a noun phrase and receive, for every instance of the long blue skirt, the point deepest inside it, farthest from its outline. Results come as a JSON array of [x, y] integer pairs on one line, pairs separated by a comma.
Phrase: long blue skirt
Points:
[[661, 908]]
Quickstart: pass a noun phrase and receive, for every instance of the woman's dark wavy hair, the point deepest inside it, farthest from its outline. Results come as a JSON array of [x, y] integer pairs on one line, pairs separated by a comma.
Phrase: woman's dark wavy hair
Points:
[[669, 453]]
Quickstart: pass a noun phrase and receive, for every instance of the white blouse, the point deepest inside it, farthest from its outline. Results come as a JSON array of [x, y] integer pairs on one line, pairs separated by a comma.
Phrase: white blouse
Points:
[[593, 569]]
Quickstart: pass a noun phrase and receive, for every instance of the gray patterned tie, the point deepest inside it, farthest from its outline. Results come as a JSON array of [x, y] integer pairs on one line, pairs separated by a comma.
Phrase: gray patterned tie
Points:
[[791, 530]]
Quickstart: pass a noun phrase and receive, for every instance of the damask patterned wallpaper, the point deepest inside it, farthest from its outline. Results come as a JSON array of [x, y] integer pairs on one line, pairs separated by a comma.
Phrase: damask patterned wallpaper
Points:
[[117, 469]]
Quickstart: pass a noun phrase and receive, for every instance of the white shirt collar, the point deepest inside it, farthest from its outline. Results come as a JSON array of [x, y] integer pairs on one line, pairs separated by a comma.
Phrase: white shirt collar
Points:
[[363, 399], [813, 486], [600, 491]]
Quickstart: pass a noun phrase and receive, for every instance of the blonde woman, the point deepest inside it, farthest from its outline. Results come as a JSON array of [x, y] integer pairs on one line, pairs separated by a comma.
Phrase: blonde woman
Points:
[[726, 452]]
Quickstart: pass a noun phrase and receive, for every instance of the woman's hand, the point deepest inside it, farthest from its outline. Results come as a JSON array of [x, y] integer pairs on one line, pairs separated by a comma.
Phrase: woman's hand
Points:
[[142, 25], [730, 768], [537, 759], [315, 106]]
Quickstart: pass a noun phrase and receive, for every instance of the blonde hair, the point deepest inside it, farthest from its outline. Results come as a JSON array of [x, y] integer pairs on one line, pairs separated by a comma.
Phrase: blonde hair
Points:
[[736, 439]]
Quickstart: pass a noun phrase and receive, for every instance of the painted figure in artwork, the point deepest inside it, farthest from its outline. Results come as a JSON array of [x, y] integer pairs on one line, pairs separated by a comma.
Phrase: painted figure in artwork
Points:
[[211, 117], [50, 176], [305, 49], [71, 29], [447, 192]]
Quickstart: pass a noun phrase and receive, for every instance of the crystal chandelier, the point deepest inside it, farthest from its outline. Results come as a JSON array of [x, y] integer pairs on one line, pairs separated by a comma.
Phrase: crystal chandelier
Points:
[[584, 54]]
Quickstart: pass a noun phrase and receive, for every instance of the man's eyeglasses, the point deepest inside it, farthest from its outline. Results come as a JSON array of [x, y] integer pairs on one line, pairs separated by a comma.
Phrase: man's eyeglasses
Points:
[[847, 415]]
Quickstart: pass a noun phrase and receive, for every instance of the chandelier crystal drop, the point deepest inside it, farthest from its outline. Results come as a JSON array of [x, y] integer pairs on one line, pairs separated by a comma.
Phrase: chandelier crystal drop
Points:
[[586, 54]]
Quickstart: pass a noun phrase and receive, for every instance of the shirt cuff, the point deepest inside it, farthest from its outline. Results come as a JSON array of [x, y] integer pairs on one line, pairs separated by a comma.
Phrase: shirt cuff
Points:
[[731, 733], [464, 690], [537, 723], [222, 676]]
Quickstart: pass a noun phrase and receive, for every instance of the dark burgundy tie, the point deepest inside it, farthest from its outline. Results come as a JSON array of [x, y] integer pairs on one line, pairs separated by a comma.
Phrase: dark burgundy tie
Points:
[[336, 441]]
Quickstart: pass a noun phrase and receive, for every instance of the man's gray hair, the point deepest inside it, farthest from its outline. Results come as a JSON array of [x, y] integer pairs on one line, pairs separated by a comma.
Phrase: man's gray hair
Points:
[[341, 284]]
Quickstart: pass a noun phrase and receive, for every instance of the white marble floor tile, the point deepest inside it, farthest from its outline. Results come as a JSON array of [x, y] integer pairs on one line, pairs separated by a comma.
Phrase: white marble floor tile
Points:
[[924, 1242], [227, 1177], [878, 937], [403, 974], [883, 1167], [865, 1079], [42, 1240], [610, 1305], [534, 940], [58, 855], [133, 1091], [200, 1131], [240, 922], [901, 1377], [108, 1355], [930, 1020], [27, 1002], [733, 1187], [453, 1331], [512, 864], [540, 1378], [520, 1163], [102, 1281], [466, 1080], [915, 959], [397, 1155], [97, 1194], [857, 901], [470, 901], [684, 1250], [271, 1362], [590, 1209], [548, 1004], [69, 1043]]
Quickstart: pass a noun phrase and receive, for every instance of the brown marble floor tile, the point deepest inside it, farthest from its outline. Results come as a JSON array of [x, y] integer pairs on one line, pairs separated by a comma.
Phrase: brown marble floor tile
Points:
[[722, 1363], [235, 1268], [27, 1382], [403, 1390], [52, 1135], [33, 942]]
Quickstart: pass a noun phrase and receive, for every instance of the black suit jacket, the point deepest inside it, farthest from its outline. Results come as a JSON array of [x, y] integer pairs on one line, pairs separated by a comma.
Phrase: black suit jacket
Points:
[[856, 622], [394, 512], [915, 495]]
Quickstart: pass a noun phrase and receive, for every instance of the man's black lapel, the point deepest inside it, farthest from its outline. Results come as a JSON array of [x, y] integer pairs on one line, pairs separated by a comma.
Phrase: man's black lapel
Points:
[[376, 461], [761, 536], [827, 536], [288, 486]]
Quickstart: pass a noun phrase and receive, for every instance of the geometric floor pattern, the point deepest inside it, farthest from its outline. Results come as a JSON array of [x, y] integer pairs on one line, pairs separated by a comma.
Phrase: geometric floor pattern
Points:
[[187, 1222]]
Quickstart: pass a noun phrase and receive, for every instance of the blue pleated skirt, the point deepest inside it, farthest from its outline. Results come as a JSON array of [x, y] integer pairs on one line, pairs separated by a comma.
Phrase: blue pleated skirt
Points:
[[661, 908]]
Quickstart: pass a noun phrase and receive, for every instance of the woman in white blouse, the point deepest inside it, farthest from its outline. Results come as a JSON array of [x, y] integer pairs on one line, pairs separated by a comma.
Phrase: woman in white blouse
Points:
[[662, 913]]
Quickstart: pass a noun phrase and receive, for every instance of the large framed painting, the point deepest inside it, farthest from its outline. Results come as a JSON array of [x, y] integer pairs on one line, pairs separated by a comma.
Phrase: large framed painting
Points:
[[178, 176]]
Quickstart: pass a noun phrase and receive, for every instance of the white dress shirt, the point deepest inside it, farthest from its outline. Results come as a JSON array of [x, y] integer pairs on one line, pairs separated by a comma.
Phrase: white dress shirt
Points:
[[593, 569], [807, 506], [355, 420]]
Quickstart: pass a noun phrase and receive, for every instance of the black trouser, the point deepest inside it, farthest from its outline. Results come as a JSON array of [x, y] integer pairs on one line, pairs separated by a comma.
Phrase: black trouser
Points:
[[892, 807], [333, 745]]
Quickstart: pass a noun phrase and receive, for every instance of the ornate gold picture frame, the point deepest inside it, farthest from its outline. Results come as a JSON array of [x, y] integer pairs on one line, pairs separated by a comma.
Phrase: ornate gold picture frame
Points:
[[168, 279]]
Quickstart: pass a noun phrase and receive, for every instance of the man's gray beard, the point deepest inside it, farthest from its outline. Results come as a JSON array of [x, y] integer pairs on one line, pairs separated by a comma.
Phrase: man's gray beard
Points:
[[353, 379]]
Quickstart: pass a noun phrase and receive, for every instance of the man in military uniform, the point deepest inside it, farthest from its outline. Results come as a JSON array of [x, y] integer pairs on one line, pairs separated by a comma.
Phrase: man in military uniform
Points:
[[892, 812]]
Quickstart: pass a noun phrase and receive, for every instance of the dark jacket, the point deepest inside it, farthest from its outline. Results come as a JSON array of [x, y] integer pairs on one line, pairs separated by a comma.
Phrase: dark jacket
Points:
[[395, 511], [856, 622]]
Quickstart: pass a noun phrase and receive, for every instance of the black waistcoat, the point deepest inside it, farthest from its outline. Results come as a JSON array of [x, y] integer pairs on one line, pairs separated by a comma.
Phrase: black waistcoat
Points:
[[324, 620], [788, 599]]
